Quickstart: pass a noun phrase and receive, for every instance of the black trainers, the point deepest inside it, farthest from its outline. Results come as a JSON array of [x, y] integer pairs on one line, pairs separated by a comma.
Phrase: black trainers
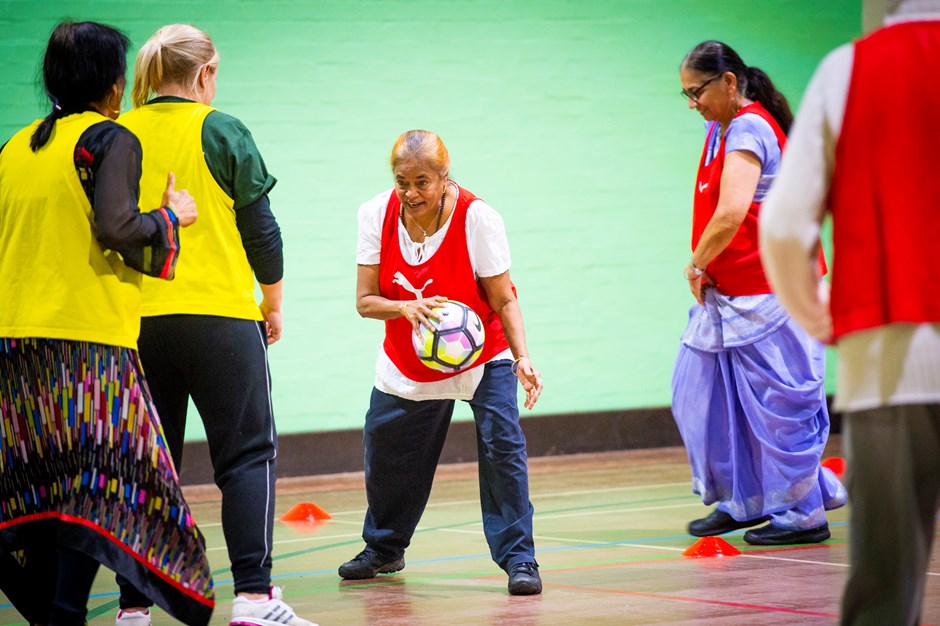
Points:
[[367, 564], [524, 579], [719, 523], [771, 535]]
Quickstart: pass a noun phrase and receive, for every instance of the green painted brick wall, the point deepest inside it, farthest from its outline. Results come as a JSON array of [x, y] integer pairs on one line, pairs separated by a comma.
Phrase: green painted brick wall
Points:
[[562, 114]]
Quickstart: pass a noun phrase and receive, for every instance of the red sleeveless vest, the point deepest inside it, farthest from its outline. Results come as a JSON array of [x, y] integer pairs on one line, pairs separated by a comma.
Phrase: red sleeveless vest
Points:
[[885, 192], [447, 273], [738, 270]]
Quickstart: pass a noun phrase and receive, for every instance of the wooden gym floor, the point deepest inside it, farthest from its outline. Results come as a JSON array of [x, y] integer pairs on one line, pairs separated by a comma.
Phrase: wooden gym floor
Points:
[[610, 533]]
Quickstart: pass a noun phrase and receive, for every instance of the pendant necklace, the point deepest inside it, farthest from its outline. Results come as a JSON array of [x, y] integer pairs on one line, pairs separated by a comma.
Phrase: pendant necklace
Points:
[[419, 247]]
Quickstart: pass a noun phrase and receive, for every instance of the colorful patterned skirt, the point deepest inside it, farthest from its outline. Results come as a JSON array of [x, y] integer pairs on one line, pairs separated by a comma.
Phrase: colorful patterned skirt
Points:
[[83, 464]]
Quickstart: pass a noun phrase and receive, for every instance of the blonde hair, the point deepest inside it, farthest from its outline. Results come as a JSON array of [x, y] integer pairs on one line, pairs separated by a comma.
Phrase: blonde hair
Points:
[[173, 54], [423, 146]]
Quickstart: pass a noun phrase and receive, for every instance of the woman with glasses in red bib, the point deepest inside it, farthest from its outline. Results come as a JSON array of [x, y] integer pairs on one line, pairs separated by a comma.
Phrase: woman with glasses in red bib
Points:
[[748, 393]]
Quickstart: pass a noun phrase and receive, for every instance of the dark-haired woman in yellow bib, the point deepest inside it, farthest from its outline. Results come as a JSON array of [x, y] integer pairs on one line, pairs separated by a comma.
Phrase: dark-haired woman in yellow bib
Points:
[[85, 476]]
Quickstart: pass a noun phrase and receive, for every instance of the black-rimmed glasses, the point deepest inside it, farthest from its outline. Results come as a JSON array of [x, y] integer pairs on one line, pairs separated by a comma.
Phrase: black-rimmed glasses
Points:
[[695, 93]]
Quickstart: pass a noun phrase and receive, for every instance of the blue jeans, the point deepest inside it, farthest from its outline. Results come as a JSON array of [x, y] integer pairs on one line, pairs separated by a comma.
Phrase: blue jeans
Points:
[[403, 441]]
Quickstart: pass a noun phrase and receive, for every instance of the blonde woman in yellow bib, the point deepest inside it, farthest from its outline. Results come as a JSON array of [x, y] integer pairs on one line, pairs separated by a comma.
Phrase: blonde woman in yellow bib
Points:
[[205, 337]]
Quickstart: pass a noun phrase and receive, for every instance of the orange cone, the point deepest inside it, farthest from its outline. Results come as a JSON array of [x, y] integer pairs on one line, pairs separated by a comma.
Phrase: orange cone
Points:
[[836, 464], [710, 546], [306, 512]]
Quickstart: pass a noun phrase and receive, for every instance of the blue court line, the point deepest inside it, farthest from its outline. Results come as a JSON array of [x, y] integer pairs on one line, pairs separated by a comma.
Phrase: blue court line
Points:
[[683, 537], [465, 557]]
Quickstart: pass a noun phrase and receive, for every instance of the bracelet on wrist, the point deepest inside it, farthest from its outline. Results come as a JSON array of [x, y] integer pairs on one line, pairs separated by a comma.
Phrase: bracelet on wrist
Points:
[[403, 308], [171, 213]]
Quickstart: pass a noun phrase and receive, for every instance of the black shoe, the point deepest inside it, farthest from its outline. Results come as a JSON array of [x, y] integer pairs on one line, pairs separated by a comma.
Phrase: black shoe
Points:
[[367, 564], [771, 535], [524, 579], [719, 523]]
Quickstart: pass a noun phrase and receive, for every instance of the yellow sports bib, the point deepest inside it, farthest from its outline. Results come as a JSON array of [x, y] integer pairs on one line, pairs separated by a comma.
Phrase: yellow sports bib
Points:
[[213, 276], [56, 281]]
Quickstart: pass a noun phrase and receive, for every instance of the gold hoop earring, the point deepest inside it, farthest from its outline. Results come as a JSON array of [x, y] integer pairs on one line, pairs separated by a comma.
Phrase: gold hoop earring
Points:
[[116, 111]]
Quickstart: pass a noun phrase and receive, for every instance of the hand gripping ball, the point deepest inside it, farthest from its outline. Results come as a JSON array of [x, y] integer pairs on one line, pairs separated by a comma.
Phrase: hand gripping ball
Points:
[[456, 341]]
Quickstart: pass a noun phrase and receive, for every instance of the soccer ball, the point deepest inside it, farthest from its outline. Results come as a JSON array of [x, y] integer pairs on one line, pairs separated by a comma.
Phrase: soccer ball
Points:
[[456, 341]]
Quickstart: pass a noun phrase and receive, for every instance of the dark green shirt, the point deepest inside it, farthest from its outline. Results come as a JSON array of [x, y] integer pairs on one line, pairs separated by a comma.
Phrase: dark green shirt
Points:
[[236, 165]]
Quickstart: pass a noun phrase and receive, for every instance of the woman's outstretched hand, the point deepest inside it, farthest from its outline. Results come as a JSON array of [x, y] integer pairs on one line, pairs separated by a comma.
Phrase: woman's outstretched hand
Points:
[[530, 378]]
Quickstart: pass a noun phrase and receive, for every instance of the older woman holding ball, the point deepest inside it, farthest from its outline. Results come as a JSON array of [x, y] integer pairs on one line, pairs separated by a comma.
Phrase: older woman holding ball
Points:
[[421, 243]]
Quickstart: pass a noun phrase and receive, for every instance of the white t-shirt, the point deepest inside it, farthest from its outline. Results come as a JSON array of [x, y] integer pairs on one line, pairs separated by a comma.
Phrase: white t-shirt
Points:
[[489, 256]]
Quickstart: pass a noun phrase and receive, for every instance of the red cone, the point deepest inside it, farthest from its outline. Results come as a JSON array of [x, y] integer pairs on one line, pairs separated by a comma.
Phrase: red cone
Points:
[[306, 512], [710, 546], [836, 464]]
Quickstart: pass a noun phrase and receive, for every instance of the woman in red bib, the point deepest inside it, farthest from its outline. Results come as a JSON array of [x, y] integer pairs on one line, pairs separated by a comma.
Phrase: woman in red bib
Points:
[[748, 393], [420, 244]]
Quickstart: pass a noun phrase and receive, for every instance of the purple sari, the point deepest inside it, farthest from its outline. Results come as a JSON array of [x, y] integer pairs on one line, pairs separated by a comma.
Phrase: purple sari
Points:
[[749, 401]]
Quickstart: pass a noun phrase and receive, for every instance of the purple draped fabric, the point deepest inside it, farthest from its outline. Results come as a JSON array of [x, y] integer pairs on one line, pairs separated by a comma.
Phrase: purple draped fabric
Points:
[[749, 401]]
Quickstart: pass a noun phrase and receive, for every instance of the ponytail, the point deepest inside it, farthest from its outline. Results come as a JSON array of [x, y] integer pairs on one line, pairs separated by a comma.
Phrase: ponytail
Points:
[[761, 89], [173, 55], [714, 57], [148, 72], [42, 133]]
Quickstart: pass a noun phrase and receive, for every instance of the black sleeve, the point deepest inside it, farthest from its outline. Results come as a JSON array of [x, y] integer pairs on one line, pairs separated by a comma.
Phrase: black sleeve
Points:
[[108, 163], [261, 237]]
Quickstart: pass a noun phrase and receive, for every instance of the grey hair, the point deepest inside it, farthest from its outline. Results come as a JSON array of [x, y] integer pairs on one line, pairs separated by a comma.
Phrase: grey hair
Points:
[[422, 146]]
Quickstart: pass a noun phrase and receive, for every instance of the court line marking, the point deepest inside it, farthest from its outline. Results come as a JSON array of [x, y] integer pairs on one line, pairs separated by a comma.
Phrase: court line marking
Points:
[[284, 542], [679, 549], [555, 494], [220, 581], [539, 537], [536, 496], [751, 555], [609, 543], [590, 542], [657, 596], [695, 502], [579, 492], [475, 522], [767, 557], [538, 515], [626, 510]]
